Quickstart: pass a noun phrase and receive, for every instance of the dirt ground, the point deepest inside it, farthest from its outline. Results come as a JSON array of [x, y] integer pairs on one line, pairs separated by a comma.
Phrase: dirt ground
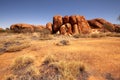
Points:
[[101, 55]]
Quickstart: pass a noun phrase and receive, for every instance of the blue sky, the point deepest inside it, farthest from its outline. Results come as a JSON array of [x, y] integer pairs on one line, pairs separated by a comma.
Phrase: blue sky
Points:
[[41, 11]]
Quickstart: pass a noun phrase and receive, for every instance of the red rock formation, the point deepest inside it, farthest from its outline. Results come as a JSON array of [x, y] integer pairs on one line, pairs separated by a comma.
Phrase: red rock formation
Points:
[[69, 28], [22, 28], [73, 24], [65, 19], [2, 30], [75, 29], [101, 24], [38, 28], [72, 20], [49, 26], [63, 30], [57, 22], [117, 28]]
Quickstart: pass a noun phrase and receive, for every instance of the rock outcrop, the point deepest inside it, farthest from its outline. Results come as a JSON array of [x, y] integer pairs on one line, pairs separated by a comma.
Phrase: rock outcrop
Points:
[[22, 28], [69, 25], [57, 23], [102, 24], [49, 26], [117, 28], [38, 28], [2, 30], [74, 24]]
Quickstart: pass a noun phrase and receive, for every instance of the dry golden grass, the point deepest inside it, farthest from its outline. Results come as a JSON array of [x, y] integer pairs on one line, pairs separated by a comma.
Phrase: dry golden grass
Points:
[[99, 56]]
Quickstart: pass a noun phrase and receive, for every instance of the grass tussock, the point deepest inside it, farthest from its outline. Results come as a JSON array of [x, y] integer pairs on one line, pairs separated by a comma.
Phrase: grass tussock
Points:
[[13, 44], [22, 62], [97, 35], [23, 69], [41, 36], [50, 69], [63, 43], [62, 70]]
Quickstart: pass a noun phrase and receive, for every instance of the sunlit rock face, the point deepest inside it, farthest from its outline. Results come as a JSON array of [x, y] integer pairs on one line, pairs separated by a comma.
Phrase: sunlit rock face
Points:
[[102, 24], [74, 24], [69, 25], [22, 28]]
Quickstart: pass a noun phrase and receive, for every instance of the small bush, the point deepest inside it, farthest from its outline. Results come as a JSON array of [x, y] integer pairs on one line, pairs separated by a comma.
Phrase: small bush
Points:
[[23, 69], [41, 36], [63, 42], [81, 36], [73, 70], [22, 62], [12, 45], [62, 70], [16, 47], [48, 59], [115, 35], [95, 35]]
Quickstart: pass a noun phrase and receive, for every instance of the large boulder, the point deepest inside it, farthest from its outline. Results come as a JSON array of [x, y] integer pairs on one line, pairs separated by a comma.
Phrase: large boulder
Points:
[[63, 30], [2, 30], [100, 23], [94, 24], [49, 26], [83, 25], [75, 29], [73, 20], [73, 24], [38, 28], [65, 19], [117, 28], [57, 22], [22, 28], [69, 28]]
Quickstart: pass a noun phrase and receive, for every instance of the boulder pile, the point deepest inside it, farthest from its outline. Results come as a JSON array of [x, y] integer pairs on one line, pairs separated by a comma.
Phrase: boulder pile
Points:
[[74, 24], [69, 25], [101, 24]]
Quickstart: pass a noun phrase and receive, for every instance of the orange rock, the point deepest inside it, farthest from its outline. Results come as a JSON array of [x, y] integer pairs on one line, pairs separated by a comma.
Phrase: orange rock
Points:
[[57, 22], [117, 28], [75, 29], [65, 19], [38, 28], [101, 24], [49, 26], [63, 30], [22, 28], [2, 30], [69, 28], [72, 20]]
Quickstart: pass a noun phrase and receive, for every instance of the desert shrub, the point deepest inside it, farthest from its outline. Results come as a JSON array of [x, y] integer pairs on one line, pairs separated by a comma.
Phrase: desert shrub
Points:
[[45, 34], [41, 36], [22, 62], [73, 70], [63, 43], [81, 36], [115, 35], [63, 70], [17, 46], [50, 69], [13, 44], [23, 69], [108, 34], [48, 59], [95, 35], [102, 35]]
